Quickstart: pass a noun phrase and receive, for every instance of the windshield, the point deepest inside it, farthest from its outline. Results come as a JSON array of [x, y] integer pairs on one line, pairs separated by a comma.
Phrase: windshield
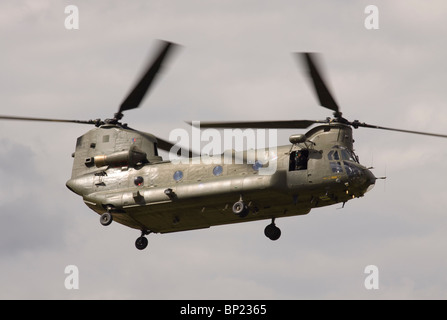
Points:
[[342, 154]]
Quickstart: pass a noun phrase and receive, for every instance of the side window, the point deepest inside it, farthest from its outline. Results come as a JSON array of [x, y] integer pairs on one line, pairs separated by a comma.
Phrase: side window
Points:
[[217, 171], [298, 160], [178, 175]]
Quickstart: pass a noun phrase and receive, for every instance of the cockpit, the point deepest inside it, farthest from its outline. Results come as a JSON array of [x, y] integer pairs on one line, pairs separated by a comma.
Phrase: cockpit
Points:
[[342, 159]]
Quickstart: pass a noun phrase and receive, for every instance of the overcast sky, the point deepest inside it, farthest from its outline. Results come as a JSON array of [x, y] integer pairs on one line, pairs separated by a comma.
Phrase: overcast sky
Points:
[[235, 63]]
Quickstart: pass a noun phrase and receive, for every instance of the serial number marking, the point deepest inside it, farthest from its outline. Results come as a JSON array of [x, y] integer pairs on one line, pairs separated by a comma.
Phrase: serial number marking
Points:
[[247, 309]]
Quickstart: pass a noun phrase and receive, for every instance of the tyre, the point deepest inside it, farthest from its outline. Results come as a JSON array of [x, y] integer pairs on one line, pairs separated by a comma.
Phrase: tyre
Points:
[[141, 243], [106, 219], [272, 232], [240, 209]]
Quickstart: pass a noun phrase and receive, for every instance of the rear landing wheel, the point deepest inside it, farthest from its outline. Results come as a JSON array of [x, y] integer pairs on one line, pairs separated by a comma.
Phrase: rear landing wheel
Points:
[[106, 219], [272, 232], [141, 243], [240, 209]]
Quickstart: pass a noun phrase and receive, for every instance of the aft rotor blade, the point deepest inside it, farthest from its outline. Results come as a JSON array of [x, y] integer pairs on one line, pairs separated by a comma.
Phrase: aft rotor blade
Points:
[[324, 96], [164, 144], [95, 122], [357, 124], [137, 94], [167, 146], [286, 124]]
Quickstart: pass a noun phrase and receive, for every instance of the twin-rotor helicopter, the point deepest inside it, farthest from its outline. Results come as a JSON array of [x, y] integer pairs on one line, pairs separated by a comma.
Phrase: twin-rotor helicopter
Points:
[[120, 175]]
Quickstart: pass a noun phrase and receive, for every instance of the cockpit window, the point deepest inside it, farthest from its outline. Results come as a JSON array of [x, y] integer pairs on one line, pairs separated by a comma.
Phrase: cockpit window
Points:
[[346, 155], [333, 155], [352, 169], [336, 167], [336, 157], [341, 154]]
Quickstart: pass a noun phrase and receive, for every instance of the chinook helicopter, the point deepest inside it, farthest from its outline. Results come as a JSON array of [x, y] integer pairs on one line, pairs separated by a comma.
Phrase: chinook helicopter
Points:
[[120, 175]]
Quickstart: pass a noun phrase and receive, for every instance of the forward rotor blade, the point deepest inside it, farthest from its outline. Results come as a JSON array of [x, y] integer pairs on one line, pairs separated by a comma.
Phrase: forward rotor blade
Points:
[[137, 94], [95, 122], [286, 124], [357, 124], [324, 96]]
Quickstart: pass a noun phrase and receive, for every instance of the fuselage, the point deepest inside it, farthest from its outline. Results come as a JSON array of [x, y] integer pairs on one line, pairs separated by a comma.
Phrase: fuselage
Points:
[[165, 196]]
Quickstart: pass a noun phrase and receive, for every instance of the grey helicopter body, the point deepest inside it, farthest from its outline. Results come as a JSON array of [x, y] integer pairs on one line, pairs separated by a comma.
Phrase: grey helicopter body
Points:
[[142, 191], [120, 175]]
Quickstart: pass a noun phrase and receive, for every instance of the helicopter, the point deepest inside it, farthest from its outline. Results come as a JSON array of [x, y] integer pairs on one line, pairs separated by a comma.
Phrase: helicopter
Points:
[[118, 172]]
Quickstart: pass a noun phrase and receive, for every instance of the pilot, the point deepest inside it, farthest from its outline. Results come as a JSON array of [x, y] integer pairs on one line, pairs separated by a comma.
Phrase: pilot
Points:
[[299, 161]]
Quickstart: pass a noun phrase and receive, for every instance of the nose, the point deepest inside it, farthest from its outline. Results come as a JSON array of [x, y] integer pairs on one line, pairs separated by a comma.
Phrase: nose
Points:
[[370, 180]]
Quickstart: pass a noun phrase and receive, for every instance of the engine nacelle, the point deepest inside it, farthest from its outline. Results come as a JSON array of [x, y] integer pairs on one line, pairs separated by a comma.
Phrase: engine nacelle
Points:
[[131, 157]]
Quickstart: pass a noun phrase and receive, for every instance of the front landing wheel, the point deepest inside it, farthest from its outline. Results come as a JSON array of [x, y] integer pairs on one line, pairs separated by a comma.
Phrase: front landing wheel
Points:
[[272, 232]]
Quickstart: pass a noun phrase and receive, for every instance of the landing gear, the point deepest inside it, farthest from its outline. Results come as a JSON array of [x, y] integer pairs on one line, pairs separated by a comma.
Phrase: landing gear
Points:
[[141, 242], [106, 218], [272, 231], [240, 208]]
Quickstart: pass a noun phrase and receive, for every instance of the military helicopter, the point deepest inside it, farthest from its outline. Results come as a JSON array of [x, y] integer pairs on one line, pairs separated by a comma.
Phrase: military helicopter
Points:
[[120, 175]]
